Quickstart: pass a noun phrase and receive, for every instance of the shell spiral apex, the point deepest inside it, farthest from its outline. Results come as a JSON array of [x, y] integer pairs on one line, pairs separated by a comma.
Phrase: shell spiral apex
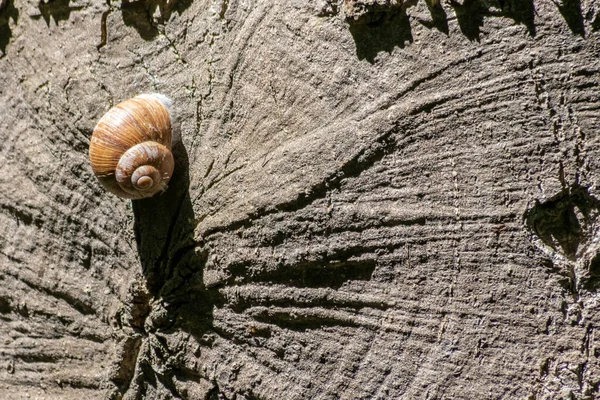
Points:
[[130, 149]]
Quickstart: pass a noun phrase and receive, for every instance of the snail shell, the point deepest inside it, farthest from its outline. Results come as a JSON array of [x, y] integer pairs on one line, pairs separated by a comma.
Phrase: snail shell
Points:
[[130, 149]]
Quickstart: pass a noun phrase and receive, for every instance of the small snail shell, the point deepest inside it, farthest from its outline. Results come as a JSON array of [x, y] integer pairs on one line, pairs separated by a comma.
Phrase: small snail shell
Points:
[[130, 149]]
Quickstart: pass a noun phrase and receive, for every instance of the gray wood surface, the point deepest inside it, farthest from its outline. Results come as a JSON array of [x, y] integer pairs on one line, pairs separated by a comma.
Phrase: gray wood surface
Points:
[[370, 201]]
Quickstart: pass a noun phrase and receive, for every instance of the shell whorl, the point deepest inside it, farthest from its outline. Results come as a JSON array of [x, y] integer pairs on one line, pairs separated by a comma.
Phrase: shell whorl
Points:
[[130, 149]]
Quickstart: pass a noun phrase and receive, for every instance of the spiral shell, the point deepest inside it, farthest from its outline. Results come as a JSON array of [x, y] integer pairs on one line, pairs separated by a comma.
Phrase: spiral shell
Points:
[[130, 149]]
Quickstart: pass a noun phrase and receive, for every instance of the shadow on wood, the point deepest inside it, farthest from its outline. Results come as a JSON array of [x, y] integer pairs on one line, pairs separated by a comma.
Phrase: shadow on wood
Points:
[[571, 12], [382, 34], [142, 16], [58, 10], [7, 12], [164, 229]]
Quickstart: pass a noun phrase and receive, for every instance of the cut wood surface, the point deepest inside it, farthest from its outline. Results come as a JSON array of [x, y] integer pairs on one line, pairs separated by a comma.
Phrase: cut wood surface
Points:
[[371, 200]]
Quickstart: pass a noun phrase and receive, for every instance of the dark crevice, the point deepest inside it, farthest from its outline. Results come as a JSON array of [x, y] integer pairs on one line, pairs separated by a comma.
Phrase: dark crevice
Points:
[[103, 28], [37, 357], [214, 393], [564, 221], [5, 305], [223, 10], [324, 300], [323, 273], [80, 384], [291, 320], [86, 262], [146, 377]]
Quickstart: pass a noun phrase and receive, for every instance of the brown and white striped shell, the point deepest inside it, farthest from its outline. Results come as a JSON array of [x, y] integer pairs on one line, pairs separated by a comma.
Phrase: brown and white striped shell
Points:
[[130, 149]]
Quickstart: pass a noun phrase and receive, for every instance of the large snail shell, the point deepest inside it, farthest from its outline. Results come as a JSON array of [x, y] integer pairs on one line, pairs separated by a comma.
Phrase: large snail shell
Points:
[[130, 149]]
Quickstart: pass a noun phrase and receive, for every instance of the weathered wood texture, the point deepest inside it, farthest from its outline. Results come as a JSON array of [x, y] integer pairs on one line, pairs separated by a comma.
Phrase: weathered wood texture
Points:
[[369, 202]]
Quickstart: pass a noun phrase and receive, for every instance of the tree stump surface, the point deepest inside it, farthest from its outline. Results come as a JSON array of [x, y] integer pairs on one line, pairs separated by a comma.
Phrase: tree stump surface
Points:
[[372, 200]]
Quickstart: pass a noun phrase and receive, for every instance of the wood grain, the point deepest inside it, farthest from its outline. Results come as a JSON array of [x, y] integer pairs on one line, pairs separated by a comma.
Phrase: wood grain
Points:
[[400, 203]]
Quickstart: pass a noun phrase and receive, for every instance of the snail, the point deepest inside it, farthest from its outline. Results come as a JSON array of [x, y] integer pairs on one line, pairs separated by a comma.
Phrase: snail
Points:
[[130, 149]]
